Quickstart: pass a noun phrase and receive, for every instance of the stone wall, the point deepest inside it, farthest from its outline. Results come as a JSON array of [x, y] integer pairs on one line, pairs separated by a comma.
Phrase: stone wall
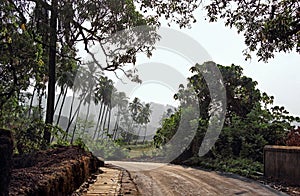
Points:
[[283, 163]]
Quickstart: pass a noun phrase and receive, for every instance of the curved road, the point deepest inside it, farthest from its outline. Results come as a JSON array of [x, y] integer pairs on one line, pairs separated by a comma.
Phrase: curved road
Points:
[[166, 179]]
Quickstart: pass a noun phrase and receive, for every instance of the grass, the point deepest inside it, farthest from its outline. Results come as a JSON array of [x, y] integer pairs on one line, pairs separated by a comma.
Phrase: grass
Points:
[[241, 166], [140, 150]]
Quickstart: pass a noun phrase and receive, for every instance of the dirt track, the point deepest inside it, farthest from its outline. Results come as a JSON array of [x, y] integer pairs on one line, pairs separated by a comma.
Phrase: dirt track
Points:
[[165, 179]]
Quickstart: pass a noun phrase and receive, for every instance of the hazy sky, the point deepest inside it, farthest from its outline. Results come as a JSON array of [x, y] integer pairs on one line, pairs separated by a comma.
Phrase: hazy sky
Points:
[[279, 77]]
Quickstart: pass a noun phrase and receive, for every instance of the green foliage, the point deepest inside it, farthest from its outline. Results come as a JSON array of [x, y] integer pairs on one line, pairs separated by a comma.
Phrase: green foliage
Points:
[[25, 45], [168, 129], [107, 149], [251, 121], [27, 130], [59, 134], [104, 148], [79, 142], [268, 26], [242, 166]]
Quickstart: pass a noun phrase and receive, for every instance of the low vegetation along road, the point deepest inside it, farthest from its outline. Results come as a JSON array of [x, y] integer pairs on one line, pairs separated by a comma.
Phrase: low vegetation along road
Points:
[[166, 179]]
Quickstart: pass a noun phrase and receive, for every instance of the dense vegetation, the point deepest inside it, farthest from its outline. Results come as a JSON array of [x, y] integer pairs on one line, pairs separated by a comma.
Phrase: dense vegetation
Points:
[[251, 122], [38, 42], [38, 55]]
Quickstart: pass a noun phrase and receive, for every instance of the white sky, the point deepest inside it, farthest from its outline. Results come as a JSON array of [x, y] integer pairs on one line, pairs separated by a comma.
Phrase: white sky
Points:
[[279, 77]]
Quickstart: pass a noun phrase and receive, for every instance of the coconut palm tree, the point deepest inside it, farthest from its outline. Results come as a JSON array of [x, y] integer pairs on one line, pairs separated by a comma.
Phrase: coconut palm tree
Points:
[[112, 104], [121, 101], [80, 87], [134, 107], [146, 114], [143, 119], [103, 94], [66, 83], [91, 78]]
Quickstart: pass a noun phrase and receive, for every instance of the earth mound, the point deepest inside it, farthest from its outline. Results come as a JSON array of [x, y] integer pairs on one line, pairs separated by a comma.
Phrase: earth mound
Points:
[[57, 171]]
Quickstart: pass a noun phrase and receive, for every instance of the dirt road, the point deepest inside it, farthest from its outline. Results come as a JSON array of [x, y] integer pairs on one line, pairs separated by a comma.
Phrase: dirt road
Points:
[[165, 179]]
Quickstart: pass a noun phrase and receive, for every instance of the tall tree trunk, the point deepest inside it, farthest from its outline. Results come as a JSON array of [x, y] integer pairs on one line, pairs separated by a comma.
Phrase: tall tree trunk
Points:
[[116, 125], [62, 105], [109, 118], [60, 110], [40, 99], [138, 136], [76, 112], [72, 138], [129, 131], [115, 131], [70, 115], [106, 113], [73, 134], [101, 122], [51, 74], [31, 101], [86, 117], [98, 121], [58, 99], [145, 134]]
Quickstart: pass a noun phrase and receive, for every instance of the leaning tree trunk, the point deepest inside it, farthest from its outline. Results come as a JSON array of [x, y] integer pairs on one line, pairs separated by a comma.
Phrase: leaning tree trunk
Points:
[[60, 111], [101, 122], [75, 113], [116, 126], [76, 120], [73, 134], [62, 105], [98, 121], [70, 115], [58, 99], [106, 114], [86, 117], [109, 118]]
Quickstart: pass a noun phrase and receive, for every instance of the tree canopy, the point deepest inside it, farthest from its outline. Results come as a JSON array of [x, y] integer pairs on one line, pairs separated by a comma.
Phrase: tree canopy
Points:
[[38, 41], [251, 120], [42, 36], [268, 26]]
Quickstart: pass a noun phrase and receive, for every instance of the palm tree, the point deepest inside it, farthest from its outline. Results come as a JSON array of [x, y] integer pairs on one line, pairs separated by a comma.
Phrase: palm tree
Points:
[[135, 107], [99, 99], [66, 81], [143, 118], [126, 124], [103, 94], [108, 103], [121, 102], [79, 86], [91, 78], [112, 104], [146, 113]]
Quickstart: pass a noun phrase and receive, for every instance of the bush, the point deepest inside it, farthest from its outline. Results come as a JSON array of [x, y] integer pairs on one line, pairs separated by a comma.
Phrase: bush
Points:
[[240, 166]]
